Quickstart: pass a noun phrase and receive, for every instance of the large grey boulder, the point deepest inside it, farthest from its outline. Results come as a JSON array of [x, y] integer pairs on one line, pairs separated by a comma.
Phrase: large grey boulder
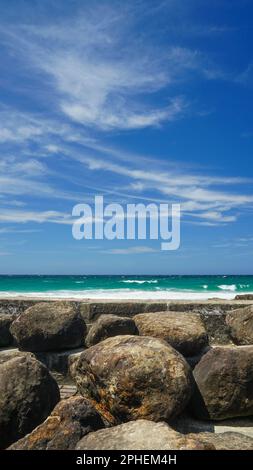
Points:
[[224, 383], [6, 338], [70, 420], [110, 325], [135, 377], [7, 354], [184, 331], [226, 440], [28, 393], [141, 435], [240, 322], [48, 327]]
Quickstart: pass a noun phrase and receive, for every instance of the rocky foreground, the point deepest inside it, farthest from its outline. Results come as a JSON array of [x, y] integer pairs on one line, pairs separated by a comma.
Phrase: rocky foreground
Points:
[[143, 376]]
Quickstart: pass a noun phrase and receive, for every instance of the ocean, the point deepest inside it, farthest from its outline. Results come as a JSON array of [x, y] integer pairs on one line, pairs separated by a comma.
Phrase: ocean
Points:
[[126, 287]]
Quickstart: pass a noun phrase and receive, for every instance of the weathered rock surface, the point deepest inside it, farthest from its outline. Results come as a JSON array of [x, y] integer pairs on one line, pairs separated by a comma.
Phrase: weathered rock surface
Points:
[[92, 310], [135, 377], [72, 363], [49, 326], [224, 383], [185, 423], [107, 326], [141, 435], [215, 325], [28, 393], [6, 338], [71, 419], [226, 440], [244, 297], [240, 322], [7, 354], [184, 331]]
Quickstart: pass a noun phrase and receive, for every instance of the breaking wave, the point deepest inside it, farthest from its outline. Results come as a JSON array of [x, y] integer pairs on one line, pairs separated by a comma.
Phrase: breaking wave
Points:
[[130, 281], [231, 287]]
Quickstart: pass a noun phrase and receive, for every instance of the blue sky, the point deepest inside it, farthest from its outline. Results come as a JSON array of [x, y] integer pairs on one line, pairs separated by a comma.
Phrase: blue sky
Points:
[[138, 101]]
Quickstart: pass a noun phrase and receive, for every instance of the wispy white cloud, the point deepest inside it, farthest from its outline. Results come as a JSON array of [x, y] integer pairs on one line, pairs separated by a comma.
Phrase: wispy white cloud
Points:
[[22, 176], [56, 217], [239, 242], [201, 196], [14, 230], [28, 167], [103, 75], [137, 250], [19, 127], [123, 118], [198, 194], [245, 77]]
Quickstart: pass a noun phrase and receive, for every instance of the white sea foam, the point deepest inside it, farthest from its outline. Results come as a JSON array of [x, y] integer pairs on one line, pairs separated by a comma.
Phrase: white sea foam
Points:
[[135, 281], [231, 287], [122, 294]]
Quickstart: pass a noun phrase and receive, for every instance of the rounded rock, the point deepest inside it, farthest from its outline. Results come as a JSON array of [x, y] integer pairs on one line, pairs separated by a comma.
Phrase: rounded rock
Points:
[[184, 331], [70, 420], [135, 377], [240, 322], [141, 435], [107, 326], [224, 383], [49, 327], [28, 393]]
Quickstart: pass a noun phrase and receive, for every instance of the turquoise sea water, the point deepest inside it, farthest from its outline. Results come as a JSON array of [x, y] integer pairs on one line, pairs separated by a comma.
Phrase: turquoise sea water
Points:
[[126, 287]]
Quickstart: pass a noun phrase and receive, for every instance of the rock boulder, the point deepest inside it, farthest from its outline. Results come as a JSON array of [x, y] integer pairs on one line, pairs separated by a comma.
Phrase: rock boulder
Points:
[[226, 440], [224, 383], [135, 377], [7, 354], [28, 393], [110, 325], [240, 322], [71, 419], [184, 331], [141, 435], [48, 327]]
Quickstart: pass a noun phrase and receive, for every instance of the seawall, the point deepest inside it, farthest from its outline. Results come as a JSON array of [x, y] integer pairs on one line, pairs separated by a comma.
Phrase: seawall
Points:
[[212, 311]]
